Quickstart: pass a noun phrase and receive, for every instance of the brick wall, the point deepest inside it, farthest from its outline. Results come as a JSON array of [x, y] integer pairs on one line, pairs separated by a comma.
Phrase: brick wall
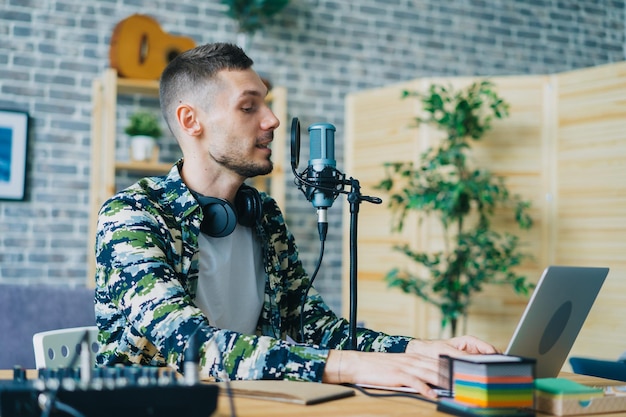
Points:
[[51, 50]]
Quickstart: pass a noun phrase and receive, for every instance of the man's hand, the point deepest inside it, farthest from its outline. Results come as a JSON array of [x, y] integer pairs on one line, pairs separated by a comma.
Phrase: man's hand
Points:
[[455, 346], [416, 368]]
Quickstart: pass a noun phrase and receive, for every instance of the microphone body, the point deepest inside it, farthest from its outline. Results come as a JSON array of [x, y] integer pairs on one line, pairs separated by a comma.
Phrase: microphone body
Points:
[[322, 166]]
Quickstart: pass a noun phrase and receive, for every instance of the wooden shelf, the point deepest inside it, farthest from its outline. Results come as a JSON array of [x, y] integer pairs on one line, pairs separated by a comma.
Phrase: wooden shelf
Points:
[[146, 167], [131, 86]]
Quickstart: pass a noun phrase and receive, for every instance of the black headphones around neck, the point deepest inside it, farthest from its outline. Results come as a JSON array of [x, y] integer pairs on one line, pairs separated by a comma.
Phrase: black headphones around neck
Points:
[[221, 217]]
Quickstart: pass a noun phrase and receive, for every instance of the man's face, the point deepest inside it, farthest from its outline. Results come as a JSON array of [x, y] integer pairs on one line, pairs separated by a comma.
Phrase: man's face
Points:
[[240, 125]]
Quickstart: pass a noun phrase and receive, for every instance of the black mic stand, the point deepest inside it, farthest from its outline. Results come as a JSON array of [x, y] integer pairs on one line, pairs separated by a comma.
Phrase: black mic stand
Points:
[[333, 183], [355, 198]]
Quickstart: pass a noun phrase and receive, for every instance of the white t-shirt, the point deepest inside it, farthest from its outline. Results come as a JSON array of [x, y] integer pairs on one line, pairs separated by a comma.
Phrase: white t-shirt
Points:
[[231, 281]]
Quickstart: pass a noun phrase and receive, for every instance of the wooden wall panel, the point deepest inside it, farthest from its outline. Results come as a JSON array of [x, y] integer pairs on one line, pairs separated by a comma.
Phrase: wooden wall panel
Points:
[[563, 147], [591, 198], [376, 125]]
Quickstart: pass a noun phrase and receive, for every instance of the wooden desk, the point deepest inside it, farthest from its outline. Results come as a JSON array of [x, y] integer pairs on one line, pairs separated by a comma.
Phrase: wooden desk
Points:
[[358, 406], [363, 406]]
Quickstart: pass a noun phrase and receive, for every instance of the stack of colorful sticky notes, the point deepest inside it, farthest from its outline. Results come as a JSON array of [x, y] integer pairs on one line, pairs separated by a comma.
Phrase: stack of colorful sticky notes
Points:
[[493, 381]]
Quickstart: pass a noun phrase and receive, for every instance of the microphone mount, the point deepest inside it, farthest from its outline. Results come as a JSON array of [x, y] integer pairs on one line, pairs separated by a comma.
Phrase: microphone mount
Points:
[[329, 180], [333, 181]]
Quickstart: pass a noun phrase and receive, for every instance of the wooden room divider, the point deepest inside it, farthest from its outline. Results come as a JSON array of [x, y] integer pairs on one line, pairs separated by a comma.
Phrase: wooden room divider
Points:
[[563, 147]]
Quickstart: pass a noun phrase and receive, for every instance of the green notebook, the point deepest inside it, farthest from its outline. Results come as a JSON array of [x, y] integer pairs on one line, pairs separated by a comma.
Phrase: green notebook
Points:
[[565, 388]]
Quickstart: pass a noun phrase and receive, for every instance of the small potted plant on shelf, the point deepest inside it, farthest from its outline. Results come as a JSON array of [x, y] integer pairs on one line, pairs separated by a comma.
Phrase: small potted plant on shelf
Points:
[[144, 129]]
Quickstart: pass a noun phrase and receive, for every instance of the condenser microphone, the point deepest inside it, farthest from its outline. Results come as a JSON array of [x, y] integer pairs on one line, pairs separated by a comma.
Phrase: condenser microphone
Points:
[[322, 170], [322, 165], [320, 182]]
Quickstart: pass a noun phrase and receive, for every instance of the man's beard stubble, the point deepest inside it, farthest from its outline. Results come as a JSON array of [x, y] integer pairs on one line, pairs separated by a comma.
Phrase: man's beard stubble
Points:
[[247, 169]]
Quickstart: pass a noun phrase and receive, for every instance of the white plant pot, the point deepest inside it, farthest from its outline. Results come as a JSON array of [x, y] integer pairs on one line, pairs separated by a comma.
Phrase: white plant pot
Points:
[[141, 147]]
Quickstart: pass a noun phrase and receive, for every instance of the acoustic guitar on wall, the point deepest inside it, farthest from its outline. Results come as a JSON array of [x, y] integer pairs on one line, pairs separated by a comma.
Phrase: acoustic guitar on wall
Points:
[[141, 49]]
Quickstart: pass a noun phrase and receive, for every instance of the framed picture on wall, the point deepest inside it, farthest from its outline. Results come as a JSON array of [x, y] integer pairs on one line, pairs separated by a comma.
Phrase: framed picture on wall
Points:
[[13, 150]]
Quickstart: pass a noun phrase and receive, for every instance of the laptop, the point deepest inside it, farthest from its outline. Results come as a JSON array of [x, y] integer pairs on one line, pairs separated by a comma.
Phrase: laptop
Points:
[[554, 316], [552, 320]]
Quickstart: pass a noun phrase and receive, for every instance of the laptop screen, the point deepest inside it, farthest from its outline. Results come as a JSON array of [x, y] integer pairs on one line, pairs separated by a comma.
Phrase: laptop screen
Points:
[[554, 316]]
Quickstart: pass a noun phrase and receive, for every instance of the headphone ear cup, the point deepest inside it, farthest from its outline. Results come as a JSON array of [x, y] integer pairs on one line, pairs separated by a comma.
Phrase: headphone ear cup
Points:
[[220, 218], [248, 205]]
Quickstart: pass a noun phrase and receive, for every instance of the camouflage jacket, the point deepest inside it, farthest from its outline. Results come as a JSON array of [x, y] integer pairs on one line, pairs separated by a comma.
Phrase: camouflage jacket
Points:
[[146, 279]]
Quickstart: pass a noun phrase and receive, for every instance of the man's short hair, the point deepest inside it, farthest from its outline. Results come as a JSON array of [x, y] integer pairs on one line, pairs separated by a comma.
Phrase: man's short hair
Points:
[[191, 71]]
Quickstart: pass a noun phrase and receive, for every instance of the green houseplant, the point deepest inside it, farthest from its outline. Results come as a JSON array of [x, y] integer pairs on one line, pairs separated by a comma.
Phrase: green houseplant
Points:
[[463, 200], [251, 16], [144, 123], [144, 128]]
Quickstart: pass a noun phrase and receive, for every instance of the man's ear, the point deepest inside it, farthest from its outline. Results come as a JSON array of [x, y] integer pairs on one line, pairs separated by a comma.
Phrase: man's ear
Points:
[[188, 121]]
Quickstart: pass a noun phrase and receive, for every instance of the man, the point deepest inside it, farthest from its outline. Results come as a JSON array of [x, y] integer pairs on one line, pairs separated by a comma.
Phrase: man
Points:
[[171, 263]]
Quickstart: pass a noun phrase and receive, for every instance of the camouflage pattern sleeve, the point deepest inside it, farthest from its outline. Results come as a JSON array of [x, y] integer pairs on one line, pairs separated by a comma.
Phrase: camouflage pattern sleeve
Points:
[[321, 326]]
